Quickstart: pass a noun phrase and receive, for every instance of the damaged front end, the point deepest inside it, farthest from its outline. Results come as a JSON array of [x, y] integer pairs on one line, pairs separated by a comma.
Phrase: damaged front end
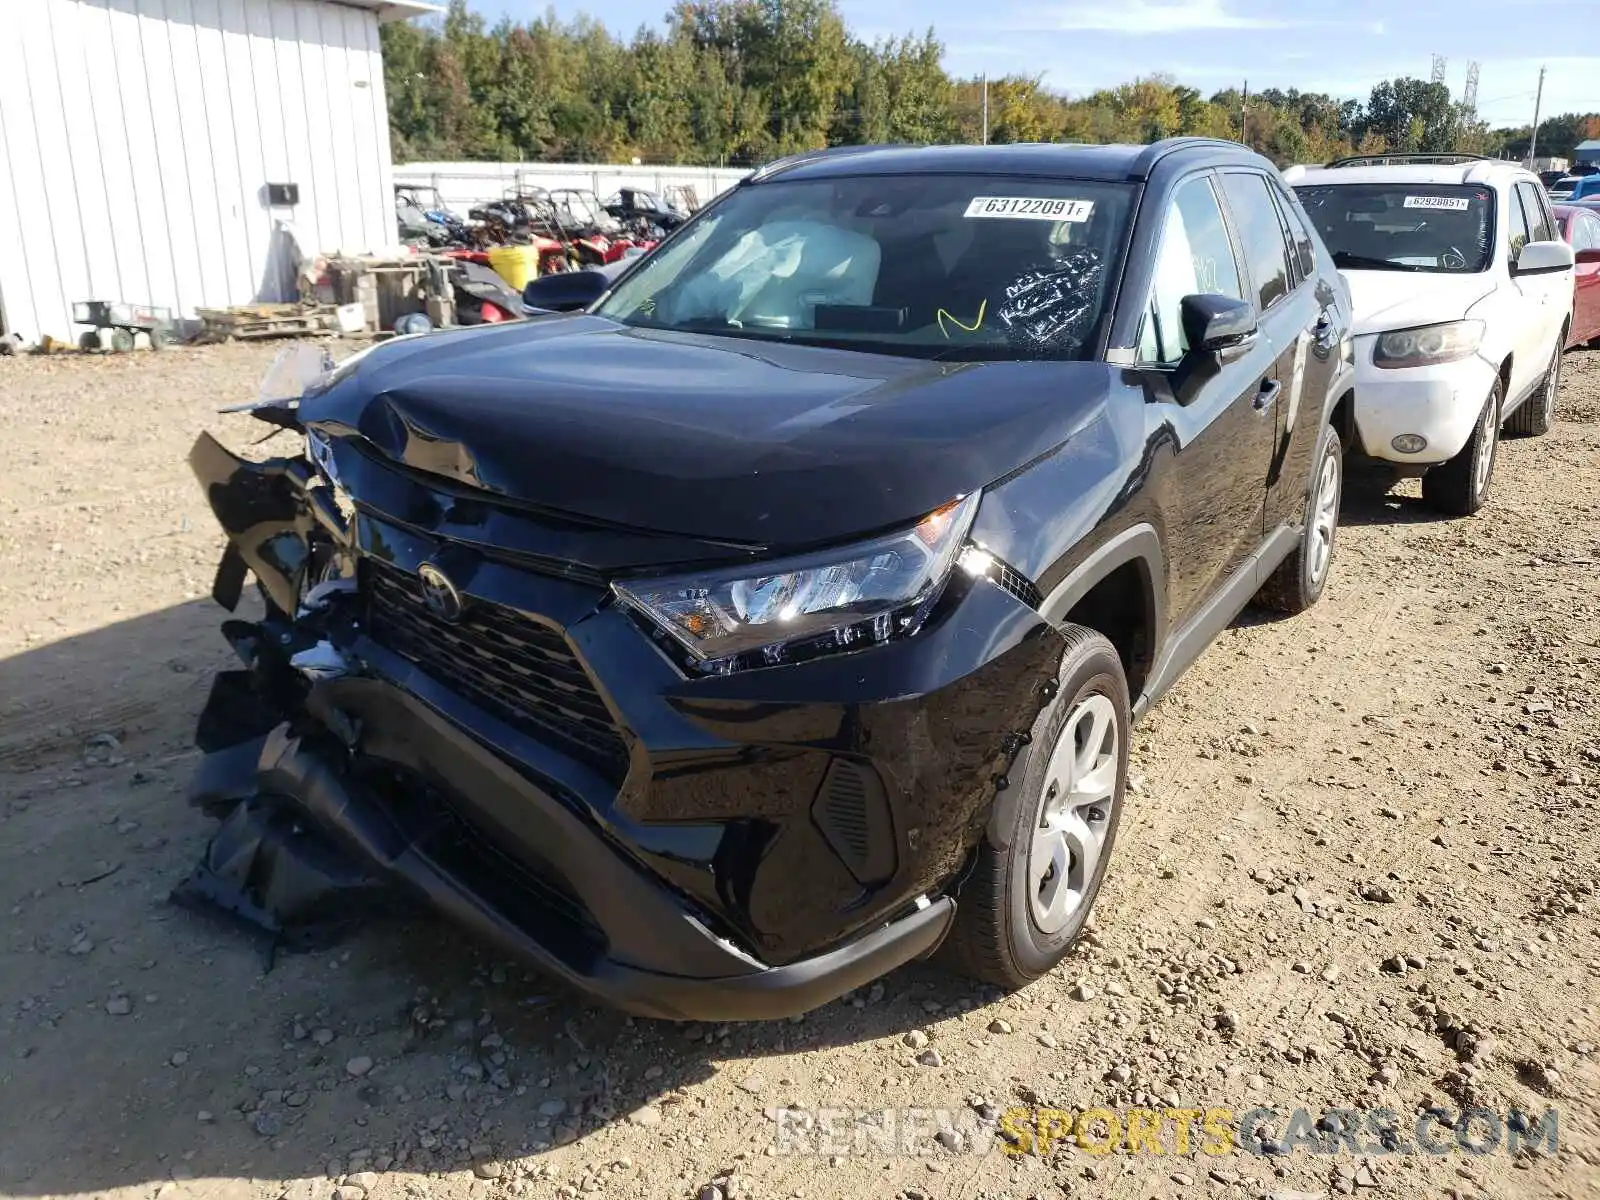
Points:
[[443, 699]]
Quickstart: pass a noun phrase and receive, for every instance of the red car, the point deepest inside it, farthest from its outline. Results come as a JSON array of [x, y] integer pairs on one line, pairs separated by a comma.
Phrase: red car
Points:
[[1580, 225]]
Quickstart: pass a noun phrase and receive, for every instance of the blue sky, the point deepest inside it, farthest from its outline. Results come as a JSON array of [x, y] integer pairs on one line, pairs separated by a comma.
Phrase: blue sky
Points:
[[1080, 45]]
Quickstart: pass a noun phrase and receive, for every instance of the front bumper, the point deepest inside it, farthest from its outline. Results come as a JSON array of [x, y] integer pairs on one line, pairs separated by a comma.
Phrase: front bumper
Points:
[[1441, 403], [736, 847]]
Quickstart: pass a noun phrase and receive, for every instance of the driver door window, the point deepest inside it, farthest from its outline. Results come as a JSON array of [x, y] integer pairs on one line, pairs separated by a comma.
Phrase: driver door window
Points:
[[1541, 221], [1196, 258], [1518, 228]]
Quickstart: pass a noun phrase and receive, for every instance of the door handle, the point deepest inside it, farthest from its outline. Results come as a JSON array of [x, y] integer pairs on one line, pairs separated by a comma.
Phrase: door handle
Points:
[[1267, 394]]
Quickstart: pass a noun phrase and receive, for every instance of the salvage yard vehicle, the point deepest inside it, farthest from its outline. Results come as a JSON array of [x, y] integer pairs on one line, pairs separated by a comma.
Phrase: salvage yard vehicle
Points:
[[782, 617], [1463, 295], [1580, 226]]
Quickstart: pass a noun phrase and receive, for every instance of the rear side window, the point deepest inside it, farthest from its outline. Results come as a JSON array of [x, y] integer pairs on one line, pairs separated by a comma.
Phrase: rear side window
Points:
[[1585, 232], [1266, 254], [1541, 221], [1196, 258], [1304, 252]]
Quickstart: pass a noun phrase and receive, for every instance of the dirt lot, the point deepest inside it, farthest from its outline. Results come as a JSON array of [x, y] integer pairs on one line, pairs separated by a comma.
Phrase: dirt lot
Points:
[[1359, 871]]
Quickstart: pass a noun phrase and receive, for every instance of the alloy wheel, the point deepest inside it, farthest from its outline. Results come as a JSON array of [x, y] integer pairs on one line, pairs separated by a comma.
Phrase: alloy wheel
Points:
[[1324, 517], [1552, 384], [1080, 790], [1488, 434]]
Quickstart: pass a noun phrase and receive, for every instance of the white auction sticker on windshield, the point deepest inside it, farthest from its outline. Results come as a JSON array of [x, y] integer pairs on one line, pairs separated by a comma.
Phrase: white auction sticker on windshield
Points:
[[1030, 208], [1448, 203]]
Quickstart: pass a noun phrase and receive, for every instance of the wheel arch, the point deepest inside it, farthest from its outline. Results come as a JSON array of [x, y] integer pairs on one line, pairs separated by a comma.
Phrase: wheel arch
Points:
[[1098, 590], [1117, 590]]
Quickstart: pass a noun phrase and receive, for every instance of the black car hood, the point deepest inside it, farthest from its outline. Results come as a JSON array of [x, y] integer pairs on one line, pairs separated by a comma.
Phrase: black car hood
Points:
[[717, 438]]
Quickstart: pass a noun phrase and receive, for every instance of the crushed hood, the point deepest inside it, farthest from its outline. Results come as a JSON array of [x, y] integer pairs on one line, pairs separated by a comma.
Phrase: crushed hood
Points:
[[708, 437], [1387, 300]]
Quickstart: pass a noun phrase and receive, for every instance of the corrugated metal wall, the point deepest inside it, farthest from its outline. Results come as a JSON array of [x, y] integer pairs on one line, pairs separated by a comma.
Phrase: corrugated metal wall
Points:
[[137, 138]]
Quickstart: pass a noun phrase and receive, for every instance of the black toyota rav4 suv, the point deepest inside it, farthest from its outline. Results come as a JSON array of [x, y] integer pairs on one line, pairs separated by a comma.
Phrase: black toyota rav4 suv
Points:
[[781, 617]]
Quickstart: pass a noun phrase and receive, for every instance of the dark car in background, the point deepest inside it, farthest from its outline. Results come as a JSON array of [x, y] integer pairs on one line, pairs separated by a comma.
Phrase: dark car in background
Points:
[[782, 617]]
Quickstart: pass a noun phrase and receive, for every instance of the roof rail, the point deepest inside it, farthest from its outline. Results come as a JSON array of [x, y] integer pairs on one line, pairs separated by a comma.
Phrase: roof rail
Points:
[[768, 169], [1383, 160], [1156, 151]]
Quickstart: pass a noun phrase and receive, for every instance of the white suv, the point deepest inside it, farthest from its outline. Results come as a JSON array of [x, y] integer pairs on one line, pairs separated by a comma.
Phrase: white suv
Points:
[[1463, 296]]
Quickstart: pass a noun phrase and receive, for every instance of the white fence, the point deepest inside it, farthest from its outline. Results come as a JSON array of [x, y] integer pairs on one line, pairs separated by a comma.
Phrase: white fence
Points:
[[464, 184]]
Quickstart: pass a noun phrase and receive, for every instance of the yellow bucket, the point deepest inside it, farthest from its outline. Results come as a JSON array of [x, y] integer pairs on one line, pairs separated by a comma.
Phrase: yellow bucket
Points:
[[517, 265]]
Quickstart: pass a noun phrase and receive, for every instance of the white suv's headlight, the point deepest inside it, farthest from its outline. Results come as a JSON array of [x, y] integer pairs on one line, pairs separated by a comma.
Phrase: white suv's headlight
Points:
[[1428, 344], [835, 599]]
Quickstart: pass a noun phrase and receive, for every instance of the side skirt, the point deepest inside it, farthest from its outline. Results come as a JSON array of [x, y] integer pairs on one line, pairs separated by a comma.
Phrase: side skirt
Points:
[[1189, 642]]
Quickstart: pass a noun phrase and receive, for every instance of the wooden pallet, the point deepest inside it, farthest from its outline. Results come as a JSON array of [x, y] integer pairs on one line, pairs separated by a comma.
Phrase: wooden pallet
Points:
[[246, 321]]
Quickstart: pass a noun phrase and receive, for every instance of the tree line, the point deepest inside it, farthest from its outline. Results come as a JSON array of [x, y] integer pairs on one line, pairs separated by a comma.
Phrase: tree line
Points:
[[738, 82]]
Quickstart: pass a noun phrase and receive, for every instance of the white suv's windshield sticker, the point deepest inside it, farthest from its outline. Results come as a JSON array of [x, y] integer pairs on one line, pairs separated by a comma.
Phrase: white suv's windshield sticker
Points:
[[1030, 208], [1451, 203]]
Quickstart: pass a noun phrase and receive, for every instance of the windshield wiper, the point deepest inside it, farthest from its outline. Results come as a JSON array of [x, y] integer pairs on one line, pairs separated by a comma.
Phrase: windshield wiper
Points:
[[1343, 258]]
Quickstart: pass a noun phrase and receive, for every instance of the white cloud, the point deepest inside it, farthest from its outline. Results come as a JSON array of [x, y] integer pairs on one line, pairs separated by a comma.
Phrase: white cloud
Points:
[[1141, 17]]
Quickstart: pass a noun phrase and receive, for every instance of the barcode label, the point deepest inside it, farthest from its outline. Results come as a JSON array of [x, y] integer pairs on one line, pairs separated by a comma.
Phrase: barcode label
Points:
[[1030, 208]]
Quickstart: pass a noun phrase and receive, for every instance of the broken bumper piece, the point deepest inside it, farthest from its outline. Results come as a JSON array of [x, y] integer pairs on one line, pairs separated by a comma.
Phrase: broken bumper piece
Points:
[[311, 826]]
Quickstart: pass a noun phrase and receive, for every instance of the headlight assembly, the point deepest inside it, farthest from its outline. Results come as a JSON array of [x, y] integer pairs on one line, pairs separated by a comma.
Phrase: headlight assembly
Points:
[[835, 599], [1428, 344]]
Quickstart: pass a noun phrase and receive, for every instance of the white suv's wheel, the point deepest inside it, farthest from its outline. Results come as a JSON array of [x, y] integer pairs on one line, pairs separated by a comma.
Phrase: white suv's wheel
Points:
[[1461, 485], [1538, 411]]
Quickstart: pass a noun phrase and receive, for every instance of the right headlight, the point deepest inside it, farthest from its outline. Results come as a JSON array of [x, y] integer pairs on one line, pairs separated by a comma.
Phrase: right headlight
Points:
[[836, 599], [1428, 345]]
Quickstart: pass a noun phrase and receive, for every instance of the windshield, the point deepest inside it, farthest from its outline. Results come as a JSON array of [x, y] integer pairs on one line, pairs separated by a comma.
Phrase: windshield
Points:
[[1404, 226], [932, 266]]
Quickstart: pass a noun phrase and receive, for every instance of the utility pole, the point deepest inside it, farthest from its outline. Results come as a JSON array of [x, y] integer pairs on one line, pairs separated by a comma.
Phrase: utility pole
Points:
[[986, 108], [1538, 99], [1244, 114]]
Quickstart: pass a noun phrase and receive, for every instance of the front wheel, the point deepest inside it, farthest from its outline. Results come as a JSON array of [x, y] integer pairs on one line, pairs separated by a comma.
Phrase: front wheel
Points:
[[1298, 582], [1025, 902], [1461, 485]]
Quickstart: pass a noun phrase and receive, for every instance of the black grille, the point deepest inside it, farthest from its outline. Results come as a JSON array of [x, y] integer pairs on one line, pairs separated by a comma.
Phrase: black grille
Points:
[[513, 667], [530, 895]]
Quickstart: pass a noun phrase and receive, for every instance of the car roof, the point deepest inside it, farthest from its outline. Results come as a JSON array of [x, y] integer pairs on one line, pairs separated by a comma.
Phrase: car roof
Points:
[[1095, 163], [1485, 171]]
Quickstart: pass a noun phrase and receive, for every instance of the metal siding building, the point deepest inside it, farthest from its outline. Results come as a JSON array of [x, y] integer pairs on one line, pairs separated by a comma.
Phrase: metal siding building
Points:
[[137, 138]]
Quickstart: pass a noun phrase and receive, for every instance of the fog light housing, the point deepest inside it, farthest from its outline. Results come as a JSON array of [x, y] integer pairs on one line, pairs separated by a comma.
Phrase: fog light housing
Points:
[[1409, 443]]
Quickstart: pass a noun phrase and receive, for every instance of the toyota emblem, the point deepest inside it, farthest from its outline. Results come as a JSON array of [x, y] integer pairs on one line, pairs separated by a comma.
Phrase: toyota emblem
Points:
[[439, 594]]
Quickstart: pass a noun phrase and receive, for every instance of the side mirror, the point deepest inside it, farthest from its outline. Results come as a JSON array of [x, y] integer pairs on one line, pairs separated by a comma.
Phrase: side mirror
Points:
[[1213, 323], [565, 291], [1543, 258]]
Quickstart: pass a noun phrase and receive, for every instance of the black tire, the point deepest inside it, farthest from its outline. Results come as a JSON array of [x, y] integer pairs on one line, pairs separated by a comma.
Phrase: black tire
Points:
[[1538, 411], [996, 938], [1299, 581], [158, 338], [1461, 485], [89, 341], [121, 341]]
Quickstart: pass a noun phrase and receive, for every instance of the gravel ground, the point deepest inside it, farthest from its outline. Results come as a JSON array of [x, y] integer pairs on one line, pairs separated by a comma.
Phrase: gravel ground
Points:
[[1358, 871]]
